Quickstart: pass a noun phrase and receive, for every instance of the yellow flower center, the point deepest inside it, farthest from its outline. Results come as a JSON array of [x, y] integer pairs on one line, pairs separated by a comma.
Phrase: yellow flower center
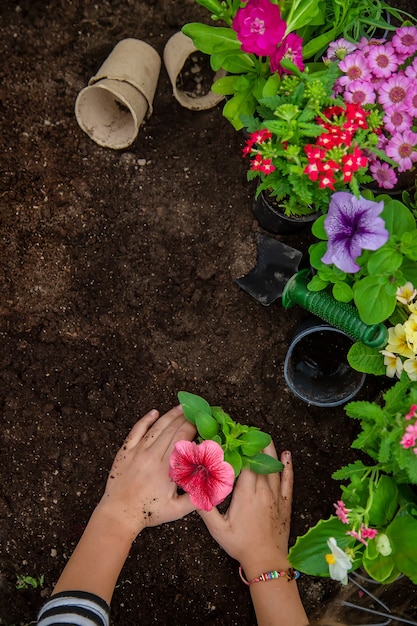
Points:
[[330, 559]]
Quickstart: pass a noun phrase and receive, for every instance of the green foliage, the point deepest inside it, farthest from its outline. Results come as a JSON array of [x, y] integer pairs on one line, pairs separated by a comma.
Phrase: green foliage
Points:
[[242, 445], [29, 582]]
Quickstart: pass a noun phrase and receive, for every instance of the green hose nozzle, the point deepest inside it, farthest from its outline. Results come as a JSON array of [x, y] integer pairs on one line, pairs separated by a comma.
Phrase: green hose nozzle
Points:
[[342, 315]]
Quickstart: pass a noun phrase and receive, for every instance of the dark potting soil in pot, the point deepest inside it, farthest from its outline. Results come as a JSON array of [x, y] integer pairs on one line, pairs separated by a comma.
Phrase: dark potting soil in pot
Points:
[[196, 76]]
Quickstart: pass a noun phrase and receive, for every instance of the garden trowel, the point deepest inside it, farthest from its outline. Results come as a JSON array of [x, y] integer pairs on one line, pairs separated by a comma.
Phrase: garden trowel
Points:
[[276, 264]]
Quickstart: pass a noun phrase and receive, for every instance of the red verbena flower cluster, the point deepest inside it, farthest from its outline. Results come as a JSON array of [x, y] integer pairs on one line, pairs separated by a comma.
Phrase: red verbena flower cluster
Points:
[[335, 156]]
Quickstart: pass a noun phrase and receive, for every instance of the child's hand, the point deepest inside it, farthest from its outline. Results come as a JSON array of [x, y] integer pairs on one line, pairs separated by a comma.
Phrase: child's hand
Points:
[[255, 528], [139, 492]]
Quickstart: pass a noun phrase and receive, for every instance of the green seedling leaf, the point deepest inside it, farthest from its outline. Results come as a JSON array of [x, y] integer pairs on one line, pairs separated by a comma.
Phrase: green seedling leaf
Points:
[[234, 458], [254, 441], [206, 425], [264, 464], [192, 405]]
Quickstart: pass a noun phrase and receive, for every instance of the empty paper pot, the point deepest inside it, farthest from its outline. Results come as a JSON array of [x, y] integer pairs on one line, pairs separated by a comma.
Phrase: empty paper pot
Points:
[[119, 97]]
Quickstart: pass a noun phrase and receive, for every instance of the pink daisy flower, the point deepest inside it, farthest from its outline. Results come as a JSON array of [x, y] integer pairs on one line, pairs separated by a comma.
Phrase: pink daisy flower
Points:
[[396, 119], [394, 91], [405, 40], [364, 44], [383, 174], [411, 70], [411, 100], [360, 92], [339, 49], [200, 469], [382, 60], [402, 148], [355, 68]]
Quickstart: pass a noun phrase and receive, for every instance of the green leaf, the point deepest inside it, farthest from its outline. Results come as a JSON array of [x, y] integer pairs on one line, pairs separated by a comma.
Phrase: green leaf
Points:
[[206, 425], [386, 259], [192, 405], [209, 38], [254, 441], [346, 471], [380, 568], [369, 290], [365, 359], [317, 284], [234, 458], [317, 251], [309, 552], [342, 292], [384, 502], [263, 464], [398, 219], [402, 533]]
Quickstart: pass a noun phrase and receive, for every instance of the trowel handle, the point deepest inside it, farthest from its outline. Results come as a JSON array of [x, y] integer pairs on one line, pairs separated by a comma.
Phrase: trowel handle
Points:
[[340, 314]]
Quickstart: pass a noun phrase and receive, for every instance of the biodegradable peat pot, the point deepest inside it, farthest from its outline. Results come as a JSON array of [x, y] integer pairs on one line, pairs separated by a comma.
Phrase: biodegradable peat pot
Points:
[[119, 97], [316, 369], [275, 221], [176, 53]]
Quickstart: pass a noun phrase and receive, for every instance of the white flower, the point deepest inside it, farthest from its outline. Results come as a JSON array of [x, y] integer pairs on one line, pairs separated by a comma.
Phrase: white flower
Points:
[[338, 561], [383, 544]]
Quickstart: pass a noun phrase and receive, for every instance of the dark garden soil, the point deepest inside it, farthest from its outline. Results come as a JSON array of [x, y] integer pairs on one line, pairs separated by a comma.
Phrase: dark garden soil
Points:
[[117, 290]]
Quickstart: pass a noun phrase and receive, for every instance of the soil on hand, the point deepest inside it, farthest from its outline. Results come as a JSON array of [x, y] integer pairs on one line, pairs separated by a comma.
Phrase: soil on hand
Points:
[[117, 282]]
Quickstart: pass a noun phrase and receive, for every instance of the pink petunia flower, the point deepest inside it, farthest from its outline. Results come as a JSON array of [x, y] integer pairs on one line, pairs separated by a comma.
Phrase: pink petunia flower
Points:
[[397, 119], [383, 174], [200, 469], [354, 67], [382, 60], [394, 91], [259, 27], [291, 48], [405, 40], [360, 92], [402, 147]]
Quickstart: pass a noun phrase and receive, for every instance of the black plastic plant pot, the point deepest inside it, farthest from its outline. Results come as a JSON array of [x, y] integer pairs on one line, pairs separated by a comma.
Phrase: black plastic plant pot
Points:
[[275, 221], [316, 369]]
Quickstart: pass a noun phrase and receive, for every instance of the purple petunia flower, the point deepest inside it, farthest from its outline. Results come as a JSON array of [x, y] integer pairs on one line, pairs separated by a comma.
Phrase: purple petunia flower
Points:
[[352, 225]]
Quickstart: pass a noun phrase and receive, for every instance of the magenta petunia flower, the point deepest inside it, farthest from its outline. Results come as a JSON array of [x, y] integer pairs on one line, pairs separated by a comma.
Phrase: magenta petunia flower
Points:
[[405, 40], [397, 119], [383, 174], [291, 48], [360, 92], [354, 67], [382, 60], [394, 90], [259, 27], [352, 225], [200, 469], [402, 147]]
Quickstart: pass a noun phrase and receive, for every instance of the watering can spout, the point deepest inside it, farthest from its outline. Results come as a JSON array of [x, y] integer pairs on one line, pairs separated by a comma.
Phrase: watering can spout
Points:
[[340, 314]]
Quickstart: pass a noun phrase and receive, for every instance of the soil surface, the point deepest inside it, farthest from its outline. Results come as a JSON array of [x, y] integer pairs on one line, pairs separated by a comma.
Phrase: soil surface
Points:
[[118, 290]]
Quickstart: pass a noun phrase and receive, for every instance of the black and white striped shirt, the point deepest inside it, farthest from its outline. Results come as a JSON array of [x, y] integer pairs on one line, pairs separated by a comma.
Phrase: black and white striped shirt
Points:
[[77, 608]]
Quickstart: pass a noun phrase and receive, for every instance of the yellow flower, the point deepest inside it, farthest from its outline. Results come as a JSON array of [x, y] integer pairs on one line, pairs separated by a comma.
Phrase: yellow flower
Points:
[[397, 341], [410, 366], [410, 329], [393, 363], [406, 293]]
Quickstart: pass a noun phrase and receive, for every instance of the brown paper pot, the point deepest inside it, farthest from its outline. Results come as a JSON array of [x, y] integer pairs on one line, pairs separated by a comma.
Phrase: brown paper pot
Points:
[[176, 52], [118, 98]]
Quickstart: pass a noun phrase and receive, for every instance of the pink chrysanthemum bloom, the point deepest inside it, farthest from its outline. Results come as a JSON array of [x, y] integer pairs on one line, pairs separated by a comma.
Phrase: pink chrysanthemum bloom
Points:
[[405, 40], [411, 70], [291, 48], [383, 174], [360, 92], [382, 60], [397, 119], [354, 67], [200, 469], [342, 511], [394, 91], [259, 27], [411, 99], [339, 49], [402, 147]]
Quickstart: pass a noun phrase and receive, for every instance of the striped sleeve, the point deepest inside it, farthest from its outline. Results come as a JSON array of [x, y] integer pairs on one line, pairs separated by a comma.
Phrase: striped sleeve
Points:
[[78, 608]]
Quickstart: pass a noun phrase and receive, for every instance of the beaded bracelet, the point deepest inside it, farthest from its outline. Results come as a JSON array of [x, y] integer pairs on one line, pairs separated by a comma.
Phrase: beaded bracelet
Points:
[[292, 574]]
